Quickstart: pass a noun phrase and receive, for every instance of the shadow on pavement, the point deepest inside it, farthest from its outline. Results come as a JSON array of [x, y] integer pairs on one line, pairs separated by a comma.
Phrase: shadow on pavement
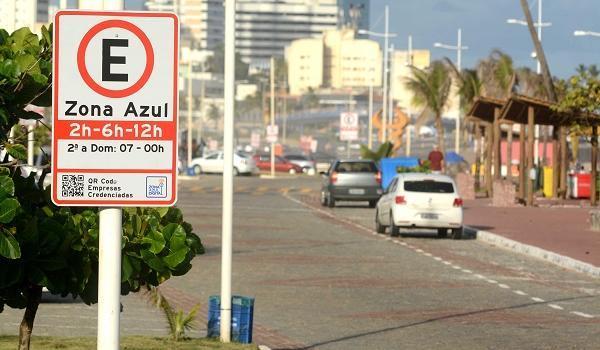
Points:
[[436, 319]]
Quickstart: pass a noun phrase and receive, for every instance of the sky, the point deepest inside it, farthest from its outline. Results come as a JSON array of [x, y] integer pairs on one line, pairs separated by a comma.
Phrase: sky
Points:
[[484, 28]]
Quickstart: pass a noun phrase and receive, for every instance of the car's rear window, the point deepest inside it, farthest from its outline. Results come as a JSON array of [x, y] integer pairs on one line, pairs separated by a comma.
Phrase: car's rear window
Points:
[[428, 186], [356, 167], [295, 157]]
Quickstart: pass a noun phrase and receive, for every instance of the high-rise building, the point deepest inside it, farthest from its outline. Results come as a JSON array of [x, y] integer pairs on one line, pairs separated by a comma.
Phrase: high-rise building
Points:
[[264, 28], [354, 13], [337, 60], [15, 14], [202, 21], [101, 4], [401, 70]]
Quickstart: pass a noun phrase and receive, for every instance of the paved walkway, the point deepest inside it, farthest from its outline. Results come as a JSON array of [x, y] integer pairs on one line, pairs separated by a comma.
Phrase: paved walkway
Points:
[[562, 230]]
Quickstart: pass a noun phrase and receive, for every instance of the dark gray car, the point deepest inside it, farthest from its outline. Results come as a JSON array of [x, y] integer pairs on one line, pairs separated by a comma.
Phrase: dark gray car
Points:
[[351, 180]]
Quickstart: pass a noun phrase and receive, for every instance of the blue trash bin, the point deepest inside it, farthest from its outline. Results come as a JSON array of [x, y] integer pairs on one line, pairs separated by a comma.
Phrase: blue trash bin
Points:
[[190, 171], [242, 316]]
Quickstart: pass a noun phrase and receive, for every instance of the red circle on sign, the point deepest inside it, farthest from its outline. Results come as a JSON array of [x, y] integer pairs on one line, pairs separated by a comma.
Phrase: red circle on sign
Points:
[[87, 78]]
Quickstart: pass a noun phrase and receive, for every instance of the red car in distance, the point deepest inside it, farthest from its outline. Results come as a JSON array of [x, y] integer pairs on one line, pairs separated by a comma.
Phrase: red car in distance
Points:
[[263, 162]]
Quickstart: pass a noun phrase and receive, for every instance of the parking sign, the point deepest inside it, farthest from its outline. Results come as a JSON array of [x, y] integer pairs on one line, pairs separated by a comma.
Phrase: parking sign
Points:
[[115, 108], [348, 126]]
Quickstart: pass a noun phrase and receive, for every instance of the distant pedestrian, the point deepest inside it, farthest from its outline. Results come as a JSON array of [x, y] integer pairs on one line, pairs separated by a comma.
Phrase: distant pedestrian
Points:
[[436, 160]]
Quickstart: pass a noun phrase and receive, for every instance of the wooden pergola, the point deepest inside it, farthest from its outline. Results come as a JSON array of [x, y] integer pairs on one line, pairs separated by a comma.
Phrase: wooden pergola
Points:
[[489, 114]]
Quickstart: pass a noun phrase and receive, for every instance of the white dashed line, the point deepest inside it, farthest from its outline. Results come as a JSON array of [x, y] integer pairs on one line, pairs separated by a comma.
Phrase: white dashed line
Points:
[[437, 258]]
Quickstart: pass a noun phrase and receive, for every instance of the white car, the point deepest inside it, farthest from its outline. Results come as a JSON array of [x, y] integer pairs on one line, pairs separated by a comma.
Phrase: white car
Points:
[[417, 200], [213, 163]]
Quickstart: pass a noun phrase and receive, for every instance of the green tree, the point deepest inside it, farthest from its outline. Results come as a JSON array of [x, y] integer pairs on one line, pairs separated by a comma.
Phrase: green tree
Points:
[[217, 60], [431, 88], [42, 245], [385, 150]]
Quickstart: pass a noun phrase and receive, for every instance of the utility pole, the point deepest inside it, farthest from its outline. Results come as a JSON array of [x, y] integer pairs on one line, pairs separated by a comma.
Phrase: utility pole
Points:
[[409, 62], [385, 74], [272, 114], [370, 137], [189, 115], [390, 117]]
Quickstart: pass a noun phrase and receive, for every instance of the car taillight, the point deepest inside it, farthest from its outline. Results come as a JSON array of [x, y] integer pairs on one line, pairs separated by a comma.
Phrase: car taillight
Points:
[[400, 200], [458, 202], [378, 177], [334, 177]]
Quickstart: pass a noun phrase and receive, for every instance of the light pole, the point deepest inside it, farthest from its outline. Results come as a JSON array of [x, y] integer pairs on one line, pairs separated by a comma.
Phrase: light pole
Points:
[[386, 36], [586, 33], [540, 24], [458, 48]]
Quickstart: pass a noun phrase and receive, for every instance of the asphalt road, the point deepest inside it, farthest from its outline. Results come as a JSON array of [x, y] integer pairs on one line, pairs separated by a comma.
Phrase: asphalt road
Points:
[[324, 279]]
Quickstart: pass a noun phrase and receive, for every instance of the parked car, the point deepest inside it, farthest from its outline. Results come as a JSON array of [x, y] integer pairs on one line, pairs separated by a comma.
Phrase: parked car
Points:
[[263, 162], [351, 180], [308, 165], [214, 163], [417, 200]]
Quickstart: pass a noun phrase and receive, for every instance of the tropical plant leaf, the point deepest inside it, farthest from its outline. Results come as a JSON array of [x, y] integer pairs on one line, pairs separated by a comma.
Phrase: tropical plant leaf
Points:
[[9, 247], [8, 210], [16, 150]]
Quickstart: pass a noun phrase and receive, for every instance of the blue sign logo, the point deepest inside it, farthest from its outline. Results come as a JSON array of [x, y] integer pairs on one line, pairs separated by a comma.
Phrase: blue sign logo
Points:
[[156, 187]]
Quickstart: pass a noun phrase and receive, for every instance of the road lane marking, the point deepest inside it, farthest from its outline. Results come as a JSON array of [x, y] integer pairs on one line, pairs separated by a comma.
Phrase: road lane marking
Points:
[[456, 267], [419, 250], [479, 276], [437, 258], [501, 285], [556, 307], [491, 281], [519, 292], [538, 300], [466, 271], [582, 314]]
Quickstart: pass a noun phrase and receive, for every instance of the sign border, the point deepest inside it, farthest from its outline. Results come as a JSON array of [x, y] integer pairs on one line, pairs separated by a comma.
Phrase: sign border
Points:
[[174, 169]]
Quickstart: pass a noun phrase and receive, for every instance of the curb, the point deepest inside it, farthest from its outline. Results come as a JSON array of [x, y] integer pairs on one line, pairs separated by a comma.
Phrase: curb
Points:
[[539, 253], [263, 347]]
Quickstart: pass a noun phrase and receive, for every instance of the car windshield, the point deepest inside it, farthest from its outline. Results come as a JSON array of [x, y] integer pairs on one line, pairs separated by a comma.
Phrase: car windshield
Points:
[[356, 167], [295, 157], [429, 186]]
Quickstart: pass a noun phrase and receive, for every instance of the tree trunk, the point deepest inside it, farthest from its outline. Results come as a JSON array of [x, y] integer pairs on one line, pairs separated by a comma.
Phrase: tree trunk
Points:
[[440, 131], [478, 150], [593, 189], [539, 52], [509, 142], [34, 296]]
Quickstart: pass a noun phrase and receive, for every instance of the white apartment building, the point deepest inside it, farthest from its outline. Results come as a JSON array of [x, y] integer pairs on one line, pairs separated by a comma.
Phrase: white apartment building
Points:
[[264, 28], [101, 4], [202, 21], [15, 14]]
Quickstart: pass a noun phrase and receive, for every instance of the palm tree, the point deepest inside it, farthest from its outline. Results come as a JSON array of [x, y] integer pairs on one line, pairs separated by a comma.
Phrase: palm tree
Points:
[[469, 82], [431, 88]]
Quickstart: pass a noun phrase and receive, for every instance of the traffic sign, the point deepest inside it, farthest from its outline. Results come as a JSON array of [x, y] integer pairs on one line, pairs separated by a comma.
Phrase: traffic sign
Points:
[[255, 140], [115, 108], [272, 133], [348, 126]]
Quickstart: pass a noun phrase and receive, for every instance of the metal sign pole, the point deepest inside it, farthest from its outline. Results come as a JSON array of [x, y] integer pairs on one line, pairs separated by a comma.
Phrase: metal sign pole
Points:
[[272, 114], [109, 278], [226, 233]]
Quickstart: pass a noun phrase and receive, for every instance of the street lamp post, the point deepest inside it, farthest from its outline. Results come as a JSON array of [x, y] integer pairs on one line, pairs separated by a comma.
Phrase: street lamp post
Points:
[[386, 35], [586, 33], [458, 48]]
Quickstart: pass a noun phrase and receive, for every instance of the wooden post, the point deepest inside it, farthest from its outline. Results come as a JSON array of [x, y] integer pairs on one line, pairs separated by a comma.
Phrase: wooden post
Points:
[[555, 162], [530, 160], [478, 149], [564, 161], [522, 163], [497, 151], [593, 188], [509, 142], [489, 147]]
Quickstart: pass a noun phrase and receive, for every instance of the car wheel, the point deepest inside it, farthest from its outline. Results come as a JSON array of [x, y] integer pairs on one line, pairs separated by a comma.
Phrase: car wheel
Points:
[[394, 230], [378, 226], [442, 233], [236, 172], [292, 171], [197, 170], [330, 201], [323, 199], [457, 233], [372, 204]]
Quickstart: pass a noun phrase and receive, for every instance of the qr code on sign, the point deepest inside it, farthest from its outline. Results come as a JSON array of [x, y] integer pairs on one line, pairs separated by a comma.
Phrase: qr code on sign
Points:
[[72, 185]]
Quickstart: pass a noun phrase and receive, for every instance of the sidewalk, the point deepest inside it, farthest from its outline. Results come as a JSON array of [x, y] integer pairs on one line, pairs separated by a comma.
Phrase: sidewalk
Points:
[[562, 230]]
